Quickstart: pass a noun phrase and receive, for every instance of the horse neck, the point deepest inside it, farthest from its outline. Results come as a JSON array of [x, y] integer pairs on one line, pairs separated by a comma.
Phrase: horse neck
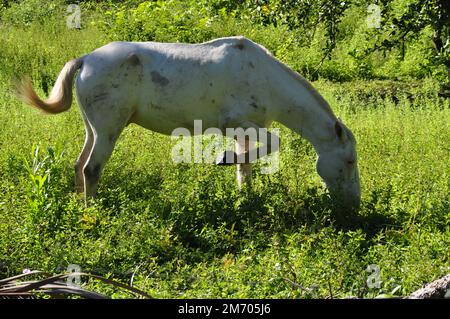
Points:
[[302, 109]]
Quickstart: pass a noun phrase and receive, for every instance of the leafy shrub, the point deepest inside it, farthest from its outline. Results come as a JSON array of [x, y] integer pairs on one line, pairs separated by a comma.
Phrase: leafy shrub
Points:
[[26, 12], [158, 20]]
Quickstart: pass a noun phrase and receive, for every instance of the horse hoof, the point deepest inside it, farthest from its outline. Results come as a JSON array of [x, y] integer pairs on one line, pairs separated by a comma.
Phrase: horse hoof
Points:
[[227, 158]]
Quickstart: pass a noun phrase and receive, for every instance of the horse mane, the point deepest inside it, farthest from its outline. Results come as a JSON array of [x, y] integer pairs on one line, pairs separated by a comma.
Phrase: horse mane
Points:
[[296, 76]]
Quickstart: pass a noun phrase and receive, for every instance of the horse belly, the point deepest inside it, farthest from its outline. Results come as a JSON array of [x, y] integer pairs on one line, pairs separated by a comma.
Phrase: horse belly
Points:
[[176, 102], [165, 115]]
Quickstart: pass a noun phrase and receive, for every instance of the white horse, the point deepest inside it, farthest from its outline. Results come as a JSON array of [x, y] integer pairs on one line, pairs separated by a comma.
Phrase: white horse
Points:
[[227, 83]]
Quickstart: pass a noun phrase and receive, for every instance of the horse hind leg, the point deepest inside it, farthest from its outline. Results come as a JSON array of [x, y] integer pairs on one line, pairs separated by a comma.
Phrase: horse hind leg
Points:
[[81, 161], [102, 149]]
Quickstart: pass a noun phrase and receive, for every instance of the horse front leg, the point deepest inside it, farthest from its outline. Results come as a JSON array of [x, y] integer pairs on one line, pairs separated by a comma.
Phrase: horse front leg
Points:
[[247, 152], [270, 142], [244, 170]]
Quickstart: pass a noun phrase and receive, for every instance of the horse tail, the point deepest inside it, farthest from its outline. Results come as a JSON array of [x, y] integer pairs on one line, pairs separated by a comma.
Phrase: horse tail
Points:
[[60, 98]]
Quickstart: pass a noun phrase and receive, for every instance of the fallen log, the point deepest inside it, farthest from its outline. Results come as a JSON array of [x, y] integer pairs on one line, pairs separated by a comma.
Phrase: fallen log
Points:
[[439, 288]]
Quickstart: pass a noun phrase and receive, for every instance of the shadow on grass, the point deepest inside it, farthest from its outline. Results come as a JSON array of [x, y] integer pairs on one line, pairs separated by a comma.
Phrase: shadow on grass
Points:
[[211, 217]]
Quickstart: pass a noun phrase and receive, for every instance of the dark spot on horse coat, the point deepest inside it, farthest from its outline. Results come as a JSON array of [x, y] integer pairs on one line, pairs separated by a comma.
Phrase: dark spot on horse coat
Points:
[[159, 79], [156, 107], [251, 65], [239, 46], [96, 98], [134, 59], [100, 96], [92, 172], [253, 102]]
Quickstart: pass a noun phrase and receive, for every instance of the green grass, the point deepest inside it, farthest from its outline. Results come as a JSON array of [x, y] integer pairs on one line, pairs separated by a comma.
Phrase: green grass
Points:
[[184, 231]]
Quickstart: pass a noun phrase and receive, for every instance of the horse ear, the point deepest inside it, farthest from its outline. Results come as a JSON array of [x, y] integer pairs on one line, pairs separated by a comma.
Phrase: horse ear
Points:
[[339, 130]]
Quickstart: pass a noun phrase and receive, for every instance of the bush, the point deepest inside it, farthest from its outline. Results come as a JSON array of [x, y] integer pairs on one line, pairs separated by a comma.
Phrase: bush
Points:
[[26, 12], [158, 21], [301, 42]]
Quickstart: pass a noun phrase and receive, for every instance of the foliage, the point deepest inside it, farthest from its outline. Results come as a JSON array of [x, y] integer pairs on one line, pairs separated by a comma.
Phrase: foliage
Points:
[[331, 37], [413, 19], [23, 13], [163, 20], [42, 172], [304, 15]]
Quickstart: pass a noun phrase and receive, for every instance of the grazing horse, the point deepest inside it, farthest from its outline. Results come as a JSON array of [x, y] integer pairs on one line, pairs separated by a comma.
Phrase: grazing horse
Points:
[[227, 83]]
